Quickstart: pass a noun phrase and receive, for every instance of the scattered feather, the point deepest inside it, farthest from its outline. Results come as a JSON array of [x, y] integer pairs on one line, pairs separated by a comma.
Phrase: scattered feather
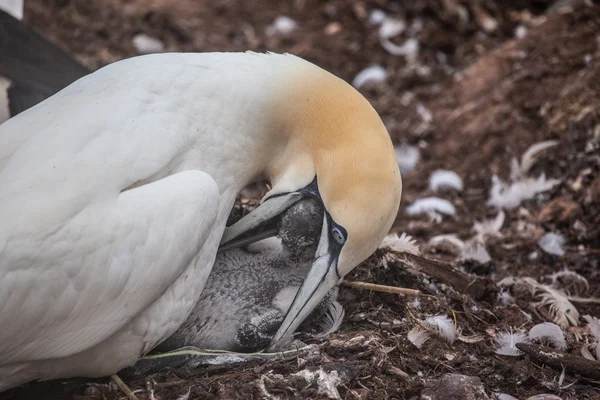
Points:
[[528, 159], [281, 26], [443, 326], [594, 326], [429, 204], [374, 73], [443, 178], [552, 243], [376, 17], [401, 244], [475, 251], [511, 196], [502, 396], [424, 113], [409, 49], [145, 44], [520, 32], [506, 343], [390, 27], [185, 396], [585, 352], [408, 157], [416, 303], [448, 238], [418, 336], [571, 281], [505, 298], [490, 227], [562, 310], [547, 331], [332, 320], [326, 383], [471, 339]]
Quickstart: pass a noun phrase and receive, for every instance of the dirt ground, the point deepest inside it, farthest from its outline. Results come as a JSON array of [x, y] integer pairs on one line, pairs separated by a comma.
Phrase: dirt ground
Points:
[[489, 80]]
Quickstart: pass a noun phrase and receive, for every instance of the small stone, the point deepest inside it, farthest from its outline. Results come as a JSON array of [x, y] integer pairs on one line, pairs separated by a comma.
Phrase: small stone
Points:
[[455, 387]]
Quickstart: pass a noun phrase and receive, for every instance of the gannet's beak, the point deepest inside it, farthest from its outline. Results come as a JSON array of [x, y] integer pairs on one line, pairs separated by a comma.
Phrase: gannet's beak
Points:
[[255, 226], [322, 277]]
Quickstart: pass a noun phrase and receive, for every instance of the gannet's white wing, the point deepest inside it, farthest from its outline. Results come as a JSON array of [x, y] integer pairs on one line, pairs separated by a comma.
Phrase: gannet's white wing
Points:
[[68, 286]]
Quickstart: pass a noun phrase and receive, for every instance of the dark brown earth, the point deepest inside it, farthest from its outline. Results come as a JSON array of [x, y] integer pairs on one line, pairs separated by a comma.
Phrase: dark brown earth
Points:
[[490, 95]]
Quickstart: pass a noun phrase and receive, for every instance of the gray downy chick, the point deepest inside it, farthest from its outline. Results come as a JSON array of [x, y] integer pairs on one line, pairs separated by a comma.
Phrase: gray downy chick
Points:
[[250, 290]]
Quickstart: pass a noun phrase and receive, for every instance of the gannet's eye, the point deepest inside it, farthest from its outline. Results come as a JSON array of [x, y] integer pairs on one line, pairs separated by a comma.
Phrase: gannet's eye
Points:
[[338, 235]]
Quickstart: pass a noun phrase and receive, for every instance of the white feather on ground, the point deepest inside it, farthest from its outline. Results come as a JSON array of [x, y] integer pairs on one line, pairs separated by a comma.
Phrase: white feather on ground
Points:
[[443, 326], [449, 238], [401, 244], [326, 383], [282, 25], [332, 320], [506, 343], [475, 251], [521, 188], [445, 179], [418, 336], [431, 204], [502, 396], [594, 326], [571, 281], [562, 310], [549, 332], [408, 157], [552, 243], [145, 44], [185, 396], [373, 73], [511, 196], [490, 227], [528, 159], [560, 307]]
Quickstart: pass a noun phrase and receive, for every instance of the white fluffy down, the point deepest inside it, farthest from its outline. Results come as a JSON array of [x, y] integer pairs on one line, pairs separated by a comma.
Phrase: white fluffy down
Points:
[[407, 157], [594, 326], [511, 196], [547, 331], [374, 73], [401, 244], [506, 343], [445, 179], [443, 326], [431, 204], [552, 243]]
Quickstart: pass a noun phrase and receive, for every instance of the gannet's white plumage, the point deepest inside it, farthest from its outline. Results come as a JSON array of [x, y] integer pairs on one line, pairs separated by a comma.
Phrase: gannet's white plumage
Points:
[[114, 194]]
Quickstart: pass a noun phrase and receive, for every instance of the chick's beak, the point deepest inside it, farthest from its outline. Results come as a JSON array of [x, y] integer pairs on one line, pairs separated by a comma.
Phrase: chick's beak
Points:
[[254, 226], [322, 277]]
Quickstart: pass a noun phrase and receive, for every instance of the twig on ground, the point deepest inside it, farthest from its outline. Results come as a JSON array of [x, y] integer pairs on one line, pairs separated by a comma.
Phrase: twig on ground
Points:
[[382, 288], [470, 285], [124, 388], [557, 360]]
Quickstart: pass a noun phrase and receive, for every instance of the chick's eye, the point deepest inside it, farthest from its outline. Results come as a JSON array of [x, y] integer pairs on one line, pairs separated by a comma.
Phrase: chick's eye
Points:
[[338, 235]]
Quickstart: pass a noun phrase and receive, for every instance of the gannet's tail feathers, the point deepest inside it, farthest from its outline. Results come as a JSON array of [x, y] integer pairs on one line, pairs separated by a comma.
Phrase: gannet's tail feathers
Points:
[[36, 67]]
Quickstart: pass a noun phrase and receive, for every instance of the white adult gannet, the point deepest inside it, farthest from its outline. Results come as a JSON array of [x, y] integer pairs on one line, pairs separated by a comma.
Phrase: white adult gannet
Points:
[[114, 195]]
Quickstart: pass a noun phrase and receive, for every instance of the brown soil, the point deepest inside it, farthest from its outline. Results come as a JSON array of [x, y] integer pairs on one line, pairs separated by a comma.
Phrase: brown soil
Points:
[[490, 95]]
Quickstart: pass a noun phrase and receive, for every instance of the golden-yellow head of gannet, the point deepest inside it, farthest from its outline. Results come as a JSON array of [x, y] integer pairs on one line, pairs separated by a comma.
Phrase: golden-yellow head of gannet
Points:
[[336, 148]]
